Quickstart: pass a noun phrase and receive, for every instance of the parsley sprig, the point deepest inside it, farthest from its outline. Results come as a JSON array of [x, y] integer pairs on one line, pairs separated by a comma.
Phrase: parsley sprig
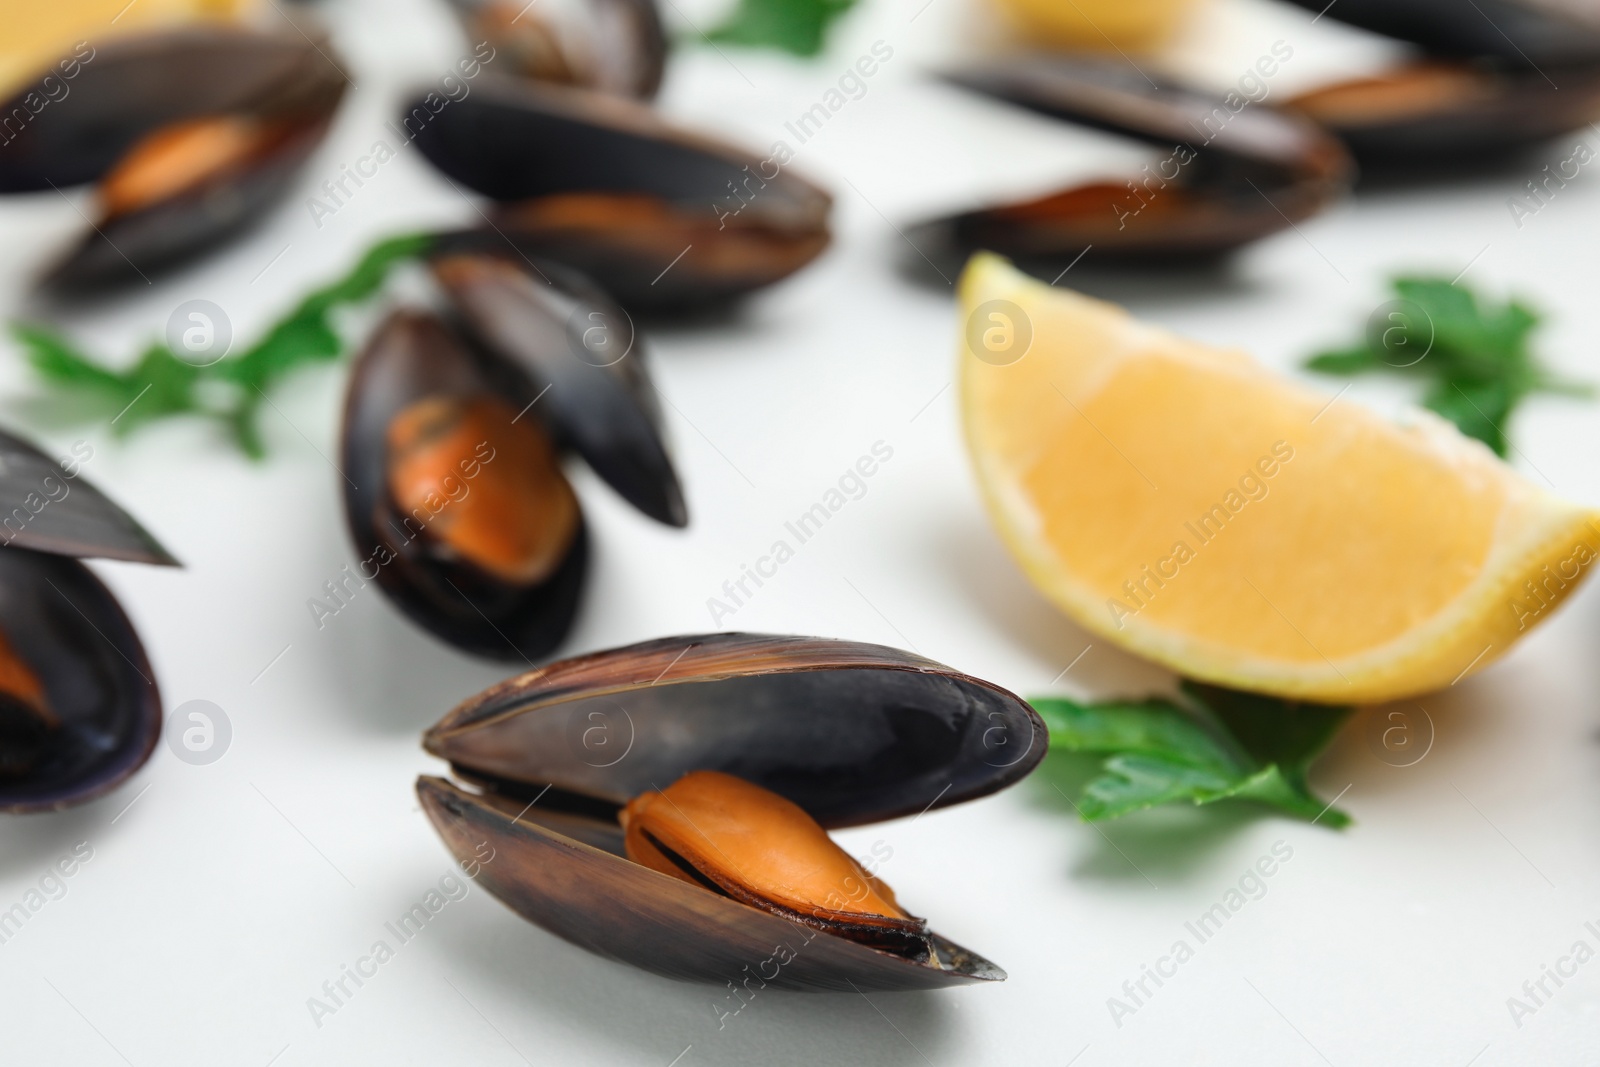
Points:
[[1217, 744], [1473, 354], [799, 27], [160, 384]]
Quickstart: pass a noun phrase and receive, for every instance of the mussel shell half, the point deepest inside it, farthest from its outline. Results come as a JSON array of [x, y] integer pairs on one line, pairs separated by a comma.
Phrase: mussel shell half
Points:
[[413, 355], [853, 733], [1204, 227], [1253, 171], [71, 632], [136, 85], [1513, 111], [45, 509], [601, 901], [574, 341], [515, 142], [613, 46], [1515, 33], [126, 248], [1105, 95]]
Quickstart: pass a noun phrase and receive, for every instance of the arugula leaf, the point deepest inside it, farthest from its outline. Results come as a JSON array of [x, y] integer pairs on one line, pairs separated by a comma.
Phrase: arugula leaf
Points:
[[1221, 744], [1474, 355], [796, 26], [160, 384]]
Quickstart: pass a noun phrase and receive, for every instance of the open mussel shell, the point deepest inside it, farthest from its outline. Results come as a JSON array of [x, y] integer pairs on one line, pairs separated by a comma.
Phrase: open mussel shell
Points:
[[1433, 115], [1513, 33], [612, 46], [283, 84], [1499, 78], [70, 630], [131, 246], [663, 220], [128, 90], [852, 733], [412, 357], [1231, 175], [102, 712], [582, 355]]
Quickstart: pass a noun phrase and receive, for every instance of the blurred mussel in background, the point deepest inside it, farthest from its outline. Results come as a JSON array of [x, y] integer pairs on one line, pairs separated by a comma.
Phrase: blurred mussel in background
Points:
[[1231, 176], [662, 219], [453, 429], [190, 130], [1491, 77], [611, 46], [79, 708]]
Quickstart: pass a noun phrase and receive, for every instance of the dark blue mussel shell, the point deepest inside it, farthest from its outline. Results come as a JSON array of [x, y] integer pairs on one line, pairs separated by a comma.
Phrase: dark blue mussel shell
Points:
[[67, 627]]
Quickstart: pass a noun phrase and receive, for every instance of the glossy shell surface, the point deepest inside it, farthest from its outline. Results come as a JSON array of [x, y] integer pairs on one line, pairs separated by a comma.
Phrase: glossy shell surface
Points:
[[1232, 177], [583, 357], [49, 511], [852, 733], [704, 222], [412, 355], [69, 630]]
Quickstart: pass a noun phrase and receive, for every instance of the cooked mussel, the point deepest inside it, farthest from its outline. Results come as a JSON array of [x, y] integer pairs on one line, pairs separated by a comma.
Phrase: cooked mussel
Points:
[[454, 491], [522, 518], [27, 721], [182, 162], [1233, 175], [666, 804], [613, 46], [1494, 80], [79, 708], [661, 219], [748, 843], [461, 514], [1514, 32]]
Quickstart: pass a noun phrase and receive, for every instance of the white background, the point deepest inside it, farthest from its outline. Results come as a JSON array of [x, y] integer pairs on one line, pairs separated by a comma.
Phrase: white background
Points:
[[220, 898]]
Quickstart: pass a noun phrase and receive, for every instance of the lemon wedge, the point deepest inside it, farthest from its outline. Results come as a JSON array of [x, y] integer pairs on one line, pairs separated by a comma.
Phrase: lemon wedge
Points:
[[1096, 25], [1205, 513]]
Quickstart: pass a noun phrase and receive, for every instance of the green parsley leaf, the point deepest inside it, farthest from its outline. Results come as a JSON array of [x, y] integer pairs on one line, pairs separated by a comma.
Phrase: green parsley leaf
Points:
[[1474, 355], [1218, 744], [1345, 361], [53, 357], [1479, 409], [160, 384], [796, 26], [166, 388]]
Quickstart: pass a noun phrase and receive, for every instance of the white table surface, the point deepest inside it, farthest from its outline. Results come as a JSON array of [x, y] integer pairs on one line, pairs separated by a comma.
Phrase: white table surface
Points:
[[219, 898]]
